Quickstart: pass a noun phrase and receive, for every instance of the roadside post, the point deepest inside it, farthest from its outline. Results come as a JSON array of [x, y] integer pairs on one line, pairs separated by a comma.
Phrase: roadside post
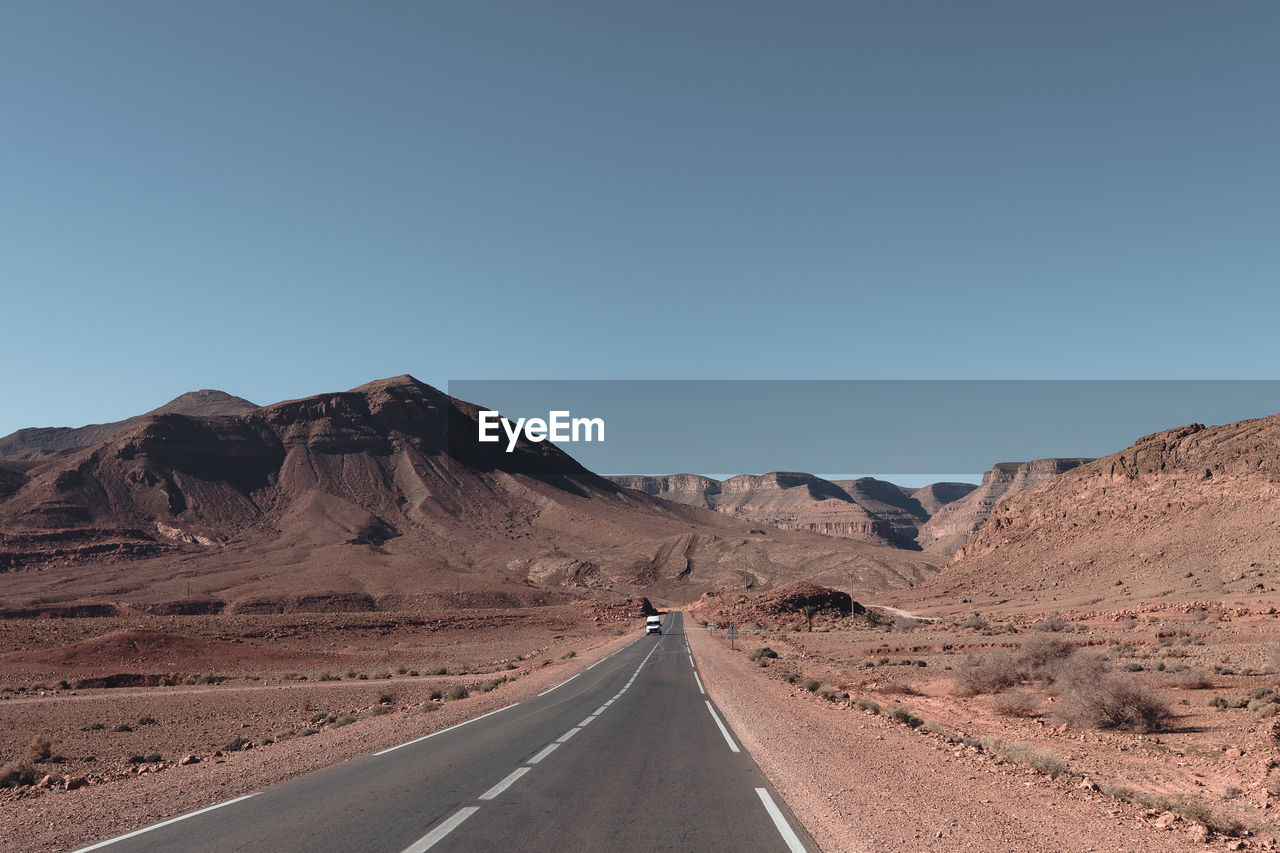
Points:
[[732, 634]]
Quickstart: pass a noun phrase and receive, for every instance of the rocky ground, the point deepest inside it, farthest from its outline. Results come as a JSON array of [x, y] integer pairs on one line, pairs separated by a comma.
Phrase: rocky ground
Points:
[[1009, 769], [102, 761]]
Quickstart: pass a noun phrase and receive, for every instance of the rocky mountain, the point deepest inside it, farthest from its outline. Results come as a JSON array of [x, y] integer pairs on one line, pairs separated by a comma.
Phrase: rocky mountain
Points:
[[1192, 512], [951, 525], [40, 442], [367, 499], [865, 509], [935, 496]]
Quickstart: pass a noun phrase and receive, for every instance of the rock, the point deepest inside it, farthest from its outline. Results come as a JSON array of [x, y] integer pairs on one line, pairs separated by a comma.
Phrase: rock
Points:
[[46, 781], [1236, 845], [1087, 785], [1200, 834], [188, 759], [1234, 752], [1166, 820], [73, 782]]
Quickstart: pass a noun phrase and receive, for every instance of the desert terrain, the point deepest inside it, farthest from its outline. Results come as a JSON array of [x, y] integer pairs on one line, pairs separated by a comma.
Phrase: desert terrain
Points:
[[211, 598]]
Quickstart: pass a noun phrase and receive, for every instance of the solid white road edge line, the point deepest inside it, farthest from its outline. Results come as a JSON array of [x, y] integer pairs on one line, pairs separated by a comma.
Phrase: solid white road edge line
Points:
[[429, 840], [784, 828], [561, 684], [733, 746], [543, 753], [164, 823], [442, 731], [505, 783], [700, 689]]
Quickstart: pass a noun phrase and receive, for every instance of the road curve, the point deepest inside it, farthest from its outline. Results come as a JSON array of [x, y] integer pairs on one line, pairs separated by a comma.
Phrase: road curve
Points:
[[629, 754]]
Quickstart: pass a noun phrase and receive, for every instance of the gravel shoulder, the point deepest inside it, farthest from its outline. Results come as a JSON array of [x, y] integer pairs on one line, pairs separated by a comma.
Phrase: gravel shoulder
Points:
[[860, 782]]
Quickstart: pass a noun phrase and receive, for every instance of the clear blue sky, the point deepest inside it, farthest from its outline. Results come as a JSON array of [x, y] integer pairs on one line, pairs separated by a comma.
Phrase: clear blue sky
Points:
[[278, 199]]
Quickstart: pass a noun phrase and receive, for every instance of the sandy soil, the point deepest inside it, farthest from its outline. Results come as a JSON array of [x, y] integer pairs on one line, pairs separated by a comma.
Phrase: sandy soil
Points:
[[199, 720], [861, 782]]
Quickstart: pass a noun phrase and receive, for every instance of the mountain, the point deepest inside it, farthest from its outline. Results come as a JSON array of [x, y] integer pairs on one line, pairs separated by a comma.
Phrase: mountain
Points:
[[1190, 513], [950, 526], [935, 496], [40, 442], [865, 509], [375, 498]]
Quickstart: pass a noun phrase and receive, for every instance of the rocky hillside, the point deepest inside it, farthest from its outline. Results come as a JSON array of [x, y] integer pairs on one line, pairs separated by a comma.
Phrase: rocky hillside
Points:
[[951, 525], [360, 500], [1191, 512], [41, 442], [865, 509]]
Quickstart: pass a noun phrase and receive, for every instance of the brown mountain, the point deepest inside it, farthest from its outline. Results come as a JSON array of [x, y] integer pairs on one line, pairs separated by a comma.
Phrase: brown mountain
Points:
[[947, 529], [40, 442], [935, 496], [371, 498], [1192, 512]]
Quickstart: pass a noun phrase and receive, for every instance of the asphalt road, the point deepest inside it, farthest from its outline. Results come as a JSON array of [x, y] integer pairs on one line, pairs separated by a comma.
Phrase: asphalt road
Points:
[[628, 755]]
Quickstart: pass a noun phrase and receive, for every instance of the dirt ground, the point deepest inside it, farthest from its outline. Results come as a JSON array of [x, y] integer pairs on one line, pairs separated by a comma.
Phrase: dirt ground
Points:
[[1011, 769], [252, 719]]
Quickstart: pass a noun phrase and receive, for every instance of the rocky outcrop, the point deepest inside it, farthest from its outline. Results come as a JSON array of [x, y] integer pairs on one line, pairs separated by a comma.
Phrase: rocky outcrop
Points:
[[1190, 511], [948, 528], [865, 509]]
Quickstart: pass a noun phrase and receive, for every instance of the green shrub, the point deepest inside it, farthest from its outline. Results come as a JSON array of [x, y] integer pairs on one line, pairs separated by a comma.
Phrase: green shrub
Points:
[[900, 714], [811, 684], [457, 691], [867, 705]]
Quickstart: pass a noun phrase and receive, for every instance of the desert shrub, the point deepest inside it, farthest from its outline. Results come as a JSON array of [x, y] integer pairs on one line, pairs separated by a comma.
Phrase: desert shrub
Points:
[[867, 705], [490, 685], [287, 734], [991, 674], [435, 693], [147, 721], [385, 698], [1052, 623], [900, 714], [569, 654], [402, 670], [975, 621], [94, 727], [425, 707], [15, 774], [1132, 667], [1024, 754], [39, 749], [1189, 679], [509, 666], [811, 684], [1041, 654], [1219, 702], [1114, 702], [321, 717], [906, 623], [383, 676], [377, 711], [895, 688], [308, 732], [343, 720], [457, 691], [1079, 668], [790, 677], [763, 653], [152, 758], [831, 694], [439, 670], [364, 676], [235, 743], [1023, 705], [122, 728]]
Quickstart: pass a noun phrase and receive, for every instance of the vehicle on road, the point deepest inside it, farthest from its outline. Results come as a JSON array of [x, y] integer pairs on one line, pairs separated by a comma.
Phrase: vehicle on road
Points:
[[653, 625]]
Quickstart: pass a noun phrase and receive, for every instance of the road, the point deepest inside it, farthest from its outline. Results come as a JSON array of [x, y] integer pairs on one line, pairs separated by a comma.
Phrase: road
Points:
[[629, 754]]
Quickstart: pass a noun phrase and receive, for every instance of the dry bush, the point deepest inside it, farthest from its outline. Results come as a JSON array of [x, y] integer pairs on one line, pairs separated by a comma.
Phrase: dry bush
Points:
[[1077, 669], [1041, 655], [15, 774], [1190, 679], [39, 749], [898, 689], [1023, 705], [1052, 623], [1114, 701], [991, 674]]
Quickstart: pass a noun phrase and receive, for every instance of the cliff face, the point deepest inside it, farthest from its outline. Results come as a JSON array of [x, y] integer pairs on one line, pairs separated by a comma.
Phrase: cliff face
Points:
[[935, 496], [948, 529], [1190, 510], [866, 509]]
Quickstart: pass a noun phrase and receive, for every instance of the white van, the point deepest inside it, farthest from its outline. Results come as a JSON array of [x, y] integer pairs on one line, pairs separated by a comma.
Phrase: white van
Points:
[[653, 625]]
